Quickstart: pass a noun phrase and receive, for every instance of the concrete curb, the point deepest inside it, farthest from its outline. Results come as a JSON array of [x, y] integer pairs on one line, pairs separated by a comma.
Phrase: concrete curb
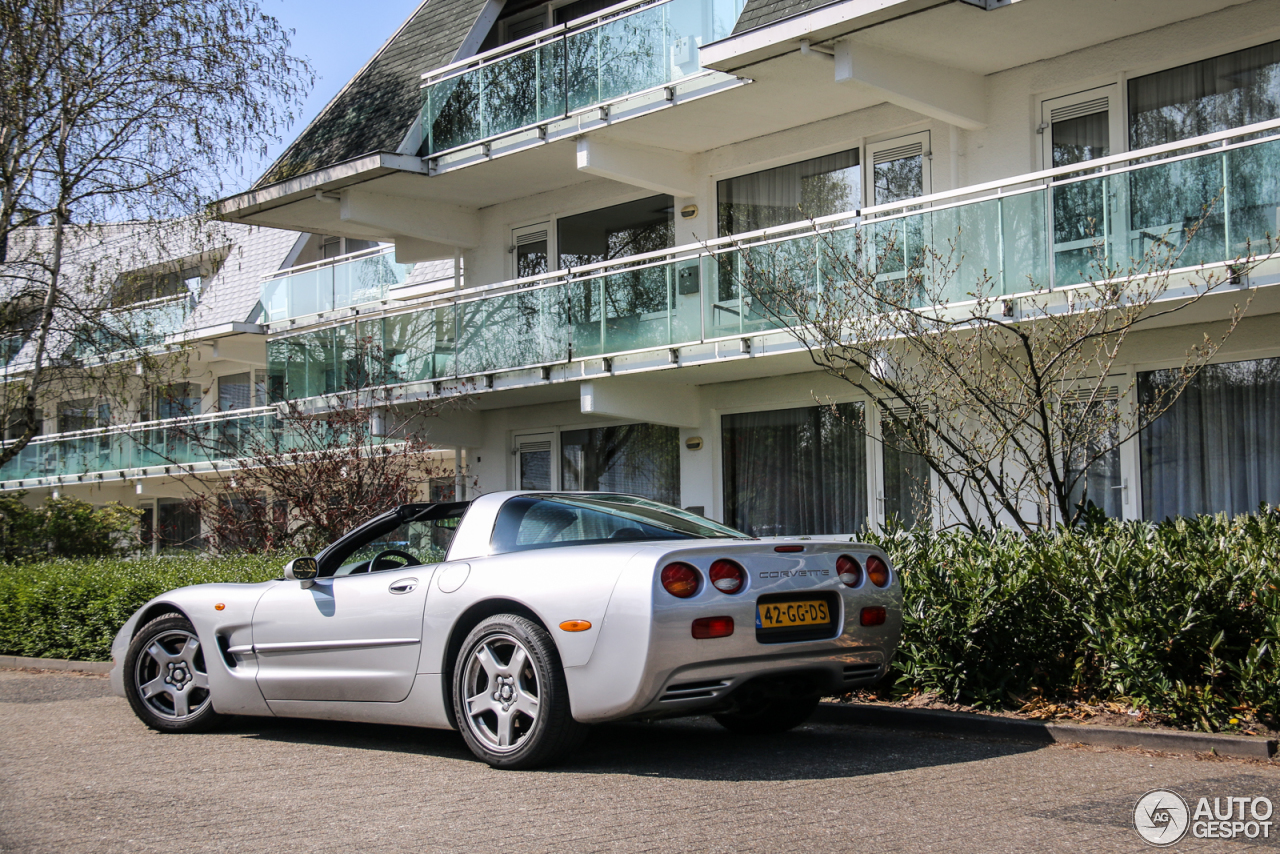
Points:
[[1038, 732], [16, 662]]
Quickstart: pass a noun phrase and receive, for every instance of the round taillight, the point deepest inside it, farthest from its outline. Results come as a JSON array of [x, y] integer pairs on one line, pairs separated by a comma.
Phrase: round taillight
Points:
[[849, 571], [878, 571], [727, 576], [680, 580]]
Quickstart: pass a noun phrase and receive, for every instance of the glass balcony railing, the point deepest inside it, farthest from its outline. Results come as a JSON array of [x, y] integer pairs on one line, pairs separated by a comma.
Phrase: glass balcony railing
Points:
[[354, 279], [548, 77], [133, 327], [10, 347], [177, 442], [1205, 201]]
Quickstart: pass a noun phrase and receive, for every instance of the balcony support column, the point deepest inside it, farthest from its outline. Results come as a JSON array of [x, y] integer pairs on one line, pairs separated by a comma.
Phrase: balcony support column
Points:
[[948, 94], [670, 404], [422, 229], [656, 169]]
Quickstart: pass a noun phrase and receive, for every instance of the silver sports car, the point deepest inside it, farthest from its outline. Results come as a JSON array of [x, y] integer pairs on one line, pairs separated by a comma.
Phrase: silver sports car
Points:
[[520, 618]]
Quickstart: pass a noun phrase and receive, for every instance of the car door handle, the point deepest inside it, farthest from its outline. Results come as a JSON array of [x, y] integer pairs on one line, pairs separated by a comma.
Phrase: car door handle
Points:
[[404, 585]]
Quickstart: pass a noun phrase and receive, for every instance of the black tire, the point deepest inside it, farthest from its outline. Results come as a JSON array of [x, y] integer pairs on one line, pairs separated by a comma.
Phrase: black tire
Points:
[[769, 717], [162, 654], [492, 702]]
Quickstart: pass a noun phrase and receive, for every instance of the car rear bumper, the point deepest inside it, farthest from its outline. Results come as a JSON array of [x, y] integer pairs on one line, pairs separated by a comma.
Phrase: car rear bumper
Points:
[[708, 686]]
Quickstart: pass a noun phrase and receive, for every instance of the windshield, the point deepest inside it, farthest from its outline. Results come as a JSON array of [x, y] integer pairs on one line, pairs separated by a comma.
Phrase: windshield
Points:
[[547, 521]]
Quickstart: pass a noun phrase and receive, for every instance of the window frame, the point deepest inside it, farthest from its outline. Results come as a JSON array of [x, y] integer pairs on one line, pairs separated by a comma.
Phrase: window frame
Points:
[[1117, 115]]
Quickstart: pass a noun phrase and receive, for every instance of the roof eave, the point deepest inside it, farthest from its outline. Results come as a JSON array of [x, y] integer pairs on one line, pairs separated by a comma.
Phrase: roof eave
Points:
[[211, 333], [736, 52], [240, 208]]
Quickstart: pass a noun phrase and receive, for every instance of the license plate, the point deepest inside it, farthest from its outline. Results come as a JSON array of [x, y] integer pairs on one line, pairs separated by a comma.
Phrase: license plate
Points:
[[778, 615]]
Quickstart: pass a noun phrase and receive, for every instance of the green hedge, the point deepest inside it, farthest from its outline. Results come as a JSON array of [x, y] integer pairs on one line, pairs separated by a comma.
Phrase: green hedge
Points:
[[73, 608], [1182, 618]]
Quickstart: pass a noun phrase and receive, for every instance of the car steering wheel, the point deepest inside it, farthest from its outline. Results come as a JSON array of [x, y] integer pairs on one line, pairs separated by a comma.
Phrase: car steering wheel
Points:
[[409, 560]]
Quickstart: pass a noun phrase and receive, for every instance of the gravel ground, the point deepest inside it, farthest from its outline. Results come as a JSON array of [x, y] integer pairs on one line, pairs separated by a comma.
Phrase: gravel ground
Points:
[[78, 773]]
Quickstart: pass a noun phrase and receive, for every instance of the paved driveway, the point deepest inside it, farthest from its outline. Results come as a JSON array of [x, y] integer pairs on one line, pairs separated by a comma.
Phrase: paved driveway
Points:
[[79, 773]]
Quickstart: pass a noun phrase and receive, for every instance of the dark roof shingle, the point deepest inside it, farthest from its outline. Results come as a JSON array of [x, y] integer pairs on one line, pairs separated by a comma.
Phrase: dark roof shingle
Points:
[[376, 109], [758, 13]]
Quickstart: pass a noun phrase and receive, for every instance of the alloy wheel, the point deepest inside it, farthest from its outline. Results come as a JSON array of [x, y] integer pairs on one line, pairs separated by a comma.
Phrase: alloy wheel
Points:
[[501, 691], [171, 677]]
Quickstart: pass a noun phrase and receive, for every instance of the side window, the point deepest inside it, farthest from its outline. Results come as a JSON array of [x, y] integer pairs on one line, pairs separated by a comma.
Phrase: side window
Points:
[[531, 523], [427, 541]]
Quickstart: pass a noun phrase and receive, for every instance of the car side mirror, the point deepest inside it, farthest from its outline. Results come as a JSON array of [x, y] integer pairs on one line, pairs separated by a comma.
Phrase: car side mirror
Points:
[[302, 569]]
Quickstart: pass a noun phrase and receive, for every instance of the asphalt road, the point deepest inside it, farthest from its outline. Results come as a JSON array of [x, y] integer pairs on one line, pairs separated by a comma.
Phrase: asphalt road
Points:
[[79, 773]]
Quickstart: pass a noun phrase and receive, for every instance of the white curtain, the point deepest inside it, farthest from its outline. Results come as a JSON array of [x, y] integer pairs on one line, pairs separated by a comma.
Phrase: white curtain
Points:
[[792, 193], [796, 471], [1218, 447], [1216, 94]]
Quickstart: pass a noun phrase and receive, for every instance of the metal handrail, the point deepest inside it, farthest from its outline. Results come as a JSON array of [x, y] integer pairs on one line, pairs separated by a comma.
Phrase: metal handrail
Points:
[[371, 252], [577, 25], [155, 424]]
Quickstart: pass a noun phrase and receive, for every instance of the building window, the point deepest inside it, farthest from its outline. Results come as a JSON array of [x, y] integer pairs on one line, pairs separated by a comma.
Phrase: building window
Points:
[[147, 526], [85, 414], [1217, 448], [234, 392], [1215, 94], [178, 400], [335, 247], [529, 250], [907, 483], [134, 288], [15, 425], [1102, 482], [899, 168], [177, 524], [533, 461], [645, 225], [796, 471], [793, 193], [638, 459]]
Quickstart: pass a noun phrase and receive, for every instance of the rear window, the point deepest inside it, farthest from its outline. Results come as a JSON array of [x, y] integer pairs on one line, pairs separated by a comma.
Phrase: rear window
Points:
[[547, 521]]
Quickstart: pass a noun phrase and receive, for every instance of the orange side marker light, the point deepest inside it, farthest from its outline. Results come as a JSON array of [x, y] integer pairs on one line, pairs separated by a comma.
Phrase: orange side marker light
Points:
[[219, 606], [575, 625]]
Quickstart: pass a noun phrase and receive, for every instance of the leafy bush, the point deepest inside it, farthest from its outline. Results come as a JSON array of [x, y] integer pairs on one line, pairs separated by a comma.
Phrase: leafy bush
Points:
[[1182, 618], [64, 527], [73, 608]]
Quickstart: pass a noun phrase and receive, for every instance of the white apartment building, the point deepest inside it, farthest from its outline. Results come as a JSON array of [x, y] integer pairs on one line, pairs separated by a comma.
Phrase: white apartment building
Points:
[[528, 204]]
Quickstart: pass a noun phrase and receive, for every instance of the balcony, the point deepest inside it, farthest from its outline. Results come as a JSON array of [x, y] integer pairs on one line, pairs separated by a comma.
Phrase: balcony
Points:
[[134, 327], [139, 450], [1216, 198], [629, 50], [361, 277]]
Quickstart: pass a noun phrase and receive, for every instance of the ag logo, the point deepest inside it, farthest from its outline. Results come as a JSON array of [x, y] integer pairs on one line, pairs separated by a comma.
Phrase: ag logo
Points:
[[1161, 817]]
